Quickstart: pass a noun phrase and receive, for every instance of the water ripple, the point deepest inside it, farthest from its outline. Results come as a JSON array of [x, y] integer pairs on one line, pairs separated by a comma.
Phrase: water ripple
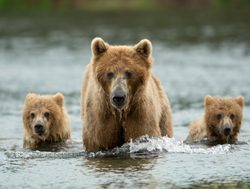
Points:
[[46, 155]]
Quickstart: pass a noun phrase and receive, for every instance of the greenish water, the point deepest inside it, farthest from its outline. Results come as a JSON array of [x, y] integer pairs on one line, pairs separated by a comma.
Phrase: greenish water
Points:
[[195, 54]]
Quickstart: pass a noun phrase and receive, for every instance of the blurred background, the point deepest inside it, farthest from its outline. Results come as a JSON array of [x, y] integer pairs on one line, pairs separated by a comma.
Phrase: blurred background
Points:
[[114, 5], [173, 21]]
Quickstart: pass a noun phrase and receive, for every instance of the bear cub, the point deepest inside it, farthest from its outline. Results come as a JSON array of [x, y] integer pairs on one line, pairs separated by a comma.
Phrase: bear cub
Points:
[[221, 121], [45, 120]]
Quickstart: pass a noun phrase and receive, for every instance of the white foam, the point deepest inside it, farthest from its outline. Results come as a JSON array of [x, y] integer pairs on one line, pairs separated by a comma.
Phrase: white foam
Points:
[[145, 145], [165, 144]]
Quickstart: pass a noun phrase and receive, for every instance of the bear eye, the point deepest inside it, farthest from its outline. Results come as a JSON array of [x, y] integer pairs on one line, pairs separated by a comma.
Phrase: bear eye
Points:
[[218, 116], [110, 75], [232, 116], [32, 115], [128, 75], [46, 114]]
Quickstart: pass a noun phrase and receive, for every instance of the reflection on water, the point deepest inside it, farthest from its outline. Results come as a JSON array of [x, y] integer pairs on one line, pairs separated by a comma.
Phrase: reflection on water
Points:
[[123, 169], [194, 54], [119, 165]]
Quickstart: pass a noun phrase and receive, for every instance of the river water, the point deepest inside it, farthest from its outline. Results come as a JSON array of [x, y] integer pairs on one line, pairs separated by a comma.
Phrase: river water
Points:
[[192, 58]]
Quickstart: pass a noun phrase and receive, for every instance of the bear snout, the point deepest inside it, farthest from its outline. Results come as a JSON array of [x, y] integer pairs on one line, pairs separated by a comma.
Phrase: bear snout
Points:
[[119, 100], [39, 128], [119, 93], [226, 130]]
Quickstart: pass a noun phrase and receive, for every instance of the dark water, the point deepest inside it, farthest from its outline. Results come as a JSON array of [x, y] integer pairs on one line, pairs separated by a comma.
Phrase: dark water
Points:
[[194, 56]]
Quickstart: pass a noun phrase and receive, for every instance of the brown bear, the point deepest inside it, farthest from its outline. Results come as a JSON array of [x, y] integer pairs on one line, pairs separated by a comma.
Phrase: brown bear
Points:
[[45, 120], [221, 121], [120, 98]]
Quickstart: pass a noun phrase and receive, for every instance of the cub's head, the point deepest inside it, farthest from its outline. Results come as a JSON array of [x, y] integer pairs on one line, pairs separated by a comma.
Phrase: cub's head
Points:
[[223, 117], [121, 71], [41, 114]]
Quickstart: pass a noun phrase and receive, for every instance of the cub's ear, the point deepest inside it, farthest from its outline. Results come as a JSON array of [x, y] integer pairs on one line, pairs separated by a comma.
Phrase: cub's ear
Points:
[[30, 96], [98, 46], [144, 48], [59, 99], [240, 100], [208, 100]]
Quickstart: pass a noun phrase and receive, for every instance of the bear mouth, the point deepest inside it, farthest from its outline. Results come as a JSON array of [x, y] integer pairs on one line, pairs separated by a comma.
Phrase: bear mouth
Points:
[[221, 138], [118, 106], [40, 133], [225, 139], [42, 136]]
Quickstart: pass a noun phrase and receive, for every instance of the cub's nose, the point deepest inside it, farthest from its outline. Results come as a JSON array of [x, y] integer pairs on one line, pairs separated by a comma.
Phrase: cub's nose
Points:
[[119, 100], [227, 131], [39, 128]]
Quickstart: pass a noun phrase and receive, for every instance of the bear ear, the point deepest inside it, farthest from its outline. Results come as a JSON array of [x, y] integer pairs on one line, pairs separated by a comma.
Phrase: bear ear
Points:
[[30, 96], [240, 100], [59, 99], [98, 46], [144, 48], [208, 100]]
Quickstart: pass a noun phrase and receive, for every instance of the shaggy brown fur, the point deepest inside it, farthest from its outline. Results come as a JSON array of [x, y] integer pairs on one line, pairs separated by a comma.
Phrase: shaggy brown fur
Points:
[[221, 121], [48, 113], [122, 71]]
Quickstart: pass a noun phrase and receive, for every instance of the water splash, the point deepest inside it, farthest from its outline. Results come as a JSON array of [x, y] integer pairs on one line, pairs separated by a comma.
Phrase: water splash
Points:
[[150, 146], [143, 147], [165, 144]]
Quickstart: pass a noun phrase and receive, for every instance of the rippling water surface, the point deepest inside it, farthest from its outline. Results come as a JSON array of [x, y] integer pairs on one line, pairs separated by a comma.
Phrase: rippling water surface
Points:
[[192, 59]]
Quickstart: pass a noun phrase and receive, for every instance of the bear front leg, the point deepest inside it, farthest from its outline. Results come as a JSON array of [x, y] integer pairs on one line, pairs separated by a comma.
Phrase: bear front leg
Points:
[[102, 135], [166, 122], [135, 128]]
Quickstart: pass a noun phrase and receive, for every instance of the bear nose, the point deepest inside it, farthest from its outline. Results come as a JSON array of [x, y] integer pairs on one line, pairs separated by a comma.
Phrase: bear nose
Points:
[[119, 99], [39, 128], [227, 130]]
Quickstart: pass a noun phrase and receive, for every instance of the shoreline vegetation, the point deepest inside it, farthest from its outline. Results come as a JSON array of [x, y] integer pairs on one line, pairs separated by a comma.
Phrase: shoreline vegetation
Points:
[[175, 24], [119, 5]]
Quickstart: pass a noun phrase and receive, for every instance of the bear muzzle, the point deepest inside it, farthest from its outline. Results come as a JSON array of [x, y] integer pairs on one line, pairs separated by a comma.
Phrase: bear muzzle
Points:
[[119, 95], [226, 129], [118, 100], [39, 128]]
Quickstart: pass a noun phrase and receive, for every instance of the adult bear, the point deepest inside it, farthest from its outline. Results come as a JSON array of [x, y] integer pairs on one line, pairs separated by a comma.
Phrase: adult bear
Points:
[[120, 98]]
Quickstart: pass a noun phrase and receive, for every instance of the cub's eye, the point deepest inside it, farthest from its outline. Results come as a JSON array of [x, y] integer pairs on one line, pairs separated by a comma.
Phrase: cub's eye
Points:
[[110, 75], [46, 114], [232, 116], [218, 116], [128, 75], [32, 115]]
